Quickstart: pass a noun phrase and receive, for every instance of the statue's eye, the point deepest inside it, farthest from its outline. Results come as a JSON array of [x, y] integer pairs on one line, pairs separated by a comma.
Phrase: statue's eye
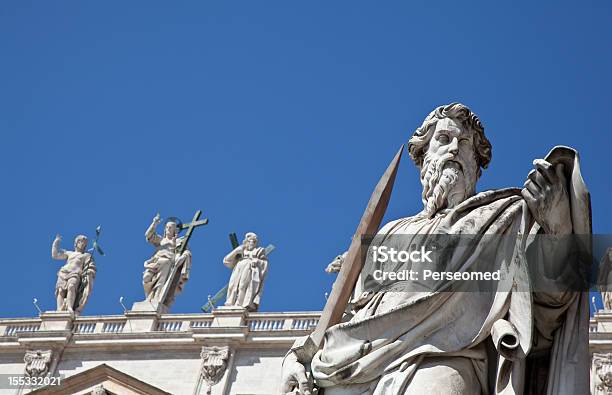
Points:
[[464, 141], [443, 139]]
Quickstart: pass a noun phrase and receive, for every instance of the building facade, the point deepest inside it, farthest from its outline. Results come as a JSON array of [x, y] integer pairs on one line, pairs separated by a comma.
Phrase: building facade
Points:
[[229, 351]]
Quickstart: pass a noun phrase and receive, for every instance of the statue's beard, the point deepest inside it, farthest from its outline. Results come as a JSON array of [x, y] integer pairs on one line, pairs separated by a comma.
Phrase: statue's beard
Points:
[[443, 186]]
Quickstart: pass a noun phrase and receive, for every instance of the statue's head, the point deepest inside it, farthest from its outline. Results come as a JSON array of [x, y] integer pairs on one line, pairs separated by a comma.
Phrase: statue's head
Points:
[[170, 230], [80, 243], [250, 241], [450, 149]]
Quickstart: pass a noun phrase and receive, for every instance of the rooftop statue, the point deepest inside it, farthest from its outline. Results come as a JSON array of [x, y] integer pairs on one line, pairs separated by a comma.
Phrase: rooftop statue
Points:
[[167, 271], [249, 264], [167, 254], [75, 279]]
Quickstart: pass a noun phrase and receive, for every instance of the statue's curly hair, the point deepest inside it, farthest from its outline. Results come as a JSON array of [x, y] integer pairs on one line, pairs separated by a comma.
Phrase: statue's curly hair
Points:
[[418, 143]]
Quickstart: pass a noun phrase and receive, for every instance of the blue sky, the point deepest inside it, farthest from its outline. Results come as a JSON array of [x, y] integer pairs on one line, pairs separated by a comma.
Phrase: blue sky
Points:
[[273, 117]]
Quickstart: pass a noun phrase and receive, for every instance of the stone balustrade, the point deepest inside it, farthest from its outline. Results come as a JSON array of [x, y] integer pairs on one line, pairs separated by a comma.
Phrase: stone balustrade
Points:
[[281, 322], [170, 326], [14, 326], [299, 322], [165, 350]]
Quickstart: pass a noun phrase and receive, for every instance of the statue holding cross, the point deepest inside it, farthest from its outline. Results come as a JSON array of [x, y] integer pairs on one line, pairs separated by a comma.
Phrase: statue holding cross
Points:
[[222, 293], [167, 271], [249, 264]]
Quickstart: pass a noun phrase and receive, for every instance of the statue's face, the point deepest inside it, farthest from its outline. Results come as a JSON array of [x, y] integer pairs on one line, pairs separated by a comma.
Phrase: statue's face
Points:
[[80, 244], [251, 243], [170, 229], [450, 170]]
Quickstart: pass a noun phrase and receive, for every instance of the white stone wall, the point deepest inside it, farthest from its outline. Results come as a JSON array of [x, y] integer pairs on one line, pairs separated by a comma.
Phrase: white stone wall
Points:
[[11, 363], [161, 350], [256, 371], [174, 371]]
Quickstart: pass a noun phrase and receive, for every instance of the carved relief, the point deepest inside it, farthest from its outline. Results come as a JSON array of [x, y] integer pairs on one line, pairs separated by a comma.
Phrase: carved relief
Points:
[[37, 362], [99, 390], [601, 374], [214, 364]]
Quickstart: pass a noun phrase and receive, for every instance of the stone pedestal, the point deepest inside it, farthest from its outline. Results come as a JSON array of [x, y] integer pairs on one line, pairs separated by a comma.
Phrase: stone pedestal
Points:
[[229, 316], [56, 321], [145, 305], [143, 316], [141, 321], [604, 320]]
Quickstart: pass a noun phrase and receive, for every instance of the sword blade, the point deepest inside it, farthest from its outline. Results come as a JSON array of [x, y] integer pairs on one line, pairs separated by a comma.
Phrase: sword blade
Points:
[[354, 261]]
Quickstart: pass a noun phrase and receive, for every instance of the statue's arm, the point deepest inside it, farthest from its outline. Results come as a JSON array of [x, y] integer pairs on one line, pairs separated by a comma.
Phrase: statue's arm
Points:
[[336, 264], [231, 259], [294, 375], [56, 251], [547, 197], [150, 234], [546, 193]]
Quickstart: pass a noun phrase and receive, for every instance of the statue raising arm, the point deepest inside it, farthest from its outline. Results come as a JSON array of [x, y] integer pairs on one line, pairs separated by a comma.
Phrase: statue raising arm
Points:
[[76, 276], [56, 252], [150, 234]]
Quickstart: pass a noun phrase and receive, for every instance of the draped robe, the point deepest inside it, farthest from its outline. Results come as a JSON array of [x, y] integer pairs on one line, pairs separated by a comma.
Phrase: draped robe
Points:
[[158, 268], [82, 277], [249, 271], [379, 350]]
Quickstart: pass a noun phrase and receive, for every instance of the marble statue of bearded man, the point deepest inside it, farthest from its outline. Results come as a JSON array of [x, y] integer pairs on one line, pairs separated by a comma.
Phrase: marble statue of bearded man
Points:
[[249, 265], [512, 340]]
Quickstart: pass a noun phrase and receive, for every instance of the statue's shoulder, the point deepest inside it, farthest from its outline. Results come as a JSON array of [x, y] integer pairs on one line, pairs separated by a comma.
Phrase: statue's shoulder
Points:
[[490, 196], [398, 223]]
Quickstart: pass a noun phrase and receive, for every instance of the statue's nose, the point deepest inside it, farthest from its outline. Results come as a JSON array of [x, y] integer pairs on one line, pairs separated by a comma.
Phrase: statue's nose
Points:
[[453, 146]]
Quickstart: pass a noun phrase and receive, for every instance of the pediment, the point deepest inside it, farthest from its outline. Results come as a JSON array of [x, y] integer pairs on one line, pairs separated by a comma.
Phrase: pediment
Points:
[[101, 380]]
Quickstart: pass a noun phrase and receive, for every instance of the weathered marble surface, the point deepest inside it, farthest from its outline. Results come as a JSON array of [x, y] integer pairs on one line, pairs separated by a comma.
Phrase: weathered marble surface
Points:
[[335, 265], [249, 265], [157, 274], [601, 374], [416, 343], [214, 366], [75, 279], [176, 353], [605, 279]]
